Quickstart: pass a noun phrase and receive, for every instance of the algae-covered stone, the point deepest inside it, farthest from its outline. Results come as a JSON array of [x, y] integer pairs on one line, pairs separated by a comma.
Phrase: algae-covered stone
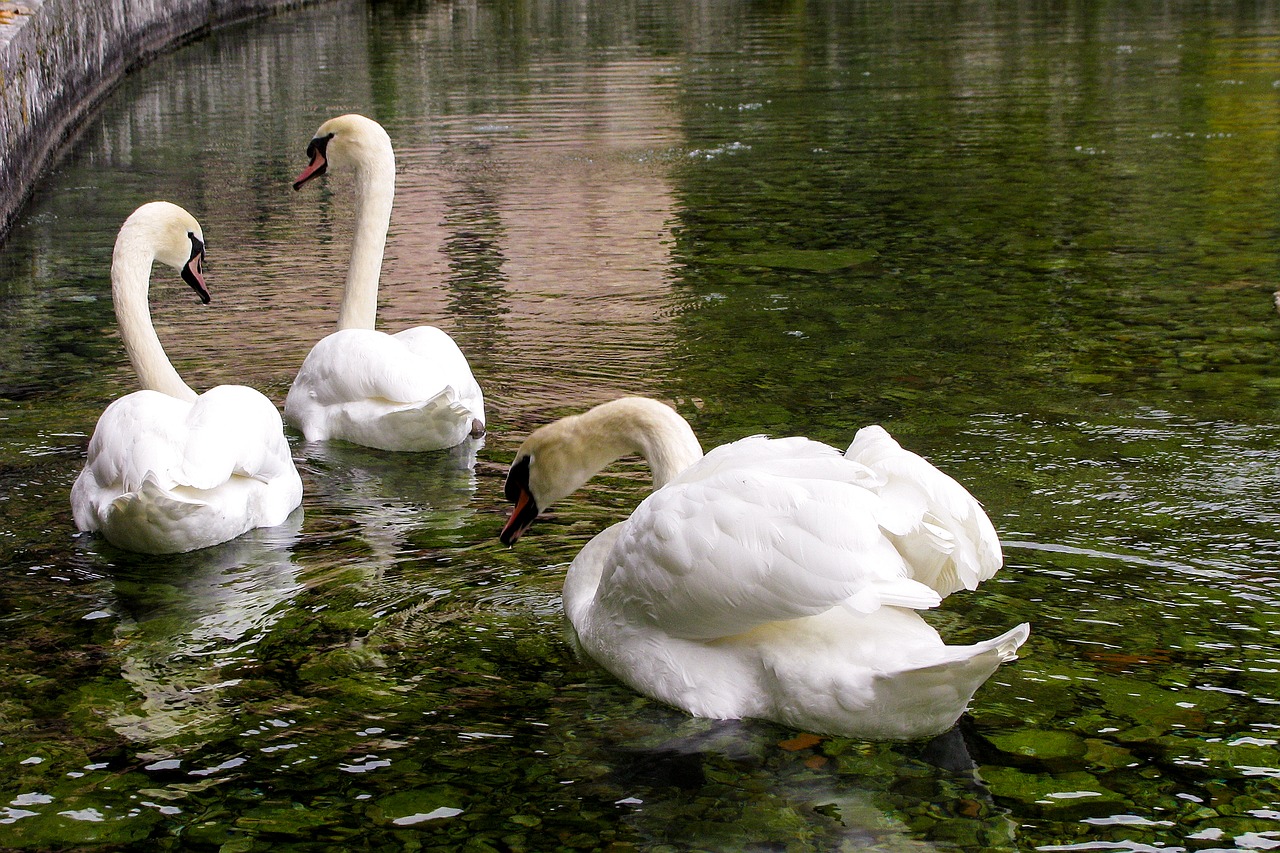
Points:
[[1150, 706], [340, 662], [61, 824], [1107, 755], [282, 819], [409, 808], [1044, 744], [1062, 794]]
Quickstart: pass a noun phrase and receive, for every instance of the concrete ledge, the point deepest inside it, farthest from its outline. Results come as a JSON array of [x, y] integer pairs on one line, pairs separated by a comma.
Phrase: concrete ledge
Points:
[[60, 58]]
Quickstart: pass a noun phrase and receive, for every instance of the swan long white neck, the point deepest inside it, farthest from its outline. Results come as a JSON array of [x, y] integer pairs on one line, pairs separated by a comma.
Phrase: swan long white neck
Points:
[[375, 192], [130, 281], [661, 436], [608, 432], [623, 427]]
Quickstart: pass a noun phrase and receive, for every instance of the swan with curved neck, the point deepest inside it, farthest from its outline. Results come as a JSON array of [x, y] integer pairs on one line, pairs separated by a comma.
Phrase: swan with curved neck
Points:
[[169, 470], [410, 391], [771, 578], [558, 459], [154, 232]]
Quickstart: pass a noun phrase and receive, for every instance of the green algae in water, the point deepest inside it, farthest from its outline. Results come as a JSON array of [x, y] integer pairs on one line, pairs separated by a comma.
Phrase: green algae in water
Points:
[[1035, 247]]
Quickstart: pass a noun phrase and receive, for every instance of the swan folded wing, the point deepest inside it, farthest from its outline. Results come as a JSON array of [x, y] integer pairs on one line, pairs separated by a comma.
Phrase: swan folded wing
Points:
[[157, 520], [794, 457], [362, 364], [940, 528], [433, 424], [717, 556], [135, 451], [437, 349], [139, 435], [233, 431]]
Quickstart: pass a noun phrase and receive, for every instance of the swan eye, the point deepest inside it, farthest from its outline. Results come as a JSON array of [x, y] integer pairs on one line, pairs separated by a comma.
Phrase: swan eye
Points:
[[319, 145], [517, 479]]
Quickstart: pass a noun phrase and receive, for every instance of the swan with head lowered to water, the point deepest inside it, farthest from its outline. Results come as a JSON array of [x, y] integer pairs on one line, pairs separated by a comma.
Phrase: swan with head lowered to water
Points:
[[775, 579], [409, 391], [169, 470]]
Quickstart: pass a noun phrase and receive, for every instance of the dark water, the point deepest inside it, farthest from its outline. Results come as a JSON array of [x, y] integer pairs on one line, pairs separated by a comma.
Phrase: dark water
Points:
[[1036, 242]]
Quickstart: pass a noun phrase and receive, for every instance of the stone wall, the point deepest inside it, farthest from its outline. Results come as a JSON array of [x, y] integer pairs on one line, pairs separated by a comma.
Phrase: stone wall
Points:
[[60, 58]]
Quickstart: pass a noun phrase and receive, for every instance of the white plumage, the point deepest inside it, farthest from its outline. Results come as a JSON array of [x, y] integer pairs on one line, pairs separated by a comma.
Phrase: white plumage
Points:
[[410, 391], [169, 470], [772, 578]]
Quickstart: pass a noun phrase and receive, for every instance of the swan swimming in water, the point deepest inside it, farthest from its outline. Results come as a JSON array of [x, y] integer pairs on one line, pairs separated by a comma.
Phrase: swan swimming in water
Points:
[[169, 470], [409, 391], [771, 578]]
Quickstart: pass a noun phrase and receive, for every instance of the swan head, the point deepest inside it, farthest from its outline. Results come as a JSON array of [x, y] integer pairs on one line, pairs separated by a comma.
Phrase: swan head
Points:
[[346, 142], [543, 472], [559, 458], [172, 236]]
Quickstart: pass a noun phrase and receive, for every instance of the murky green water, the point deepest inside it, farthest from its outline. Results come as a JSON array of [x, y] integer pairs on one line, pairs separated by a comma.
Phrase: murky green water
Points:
[[1038, 243]]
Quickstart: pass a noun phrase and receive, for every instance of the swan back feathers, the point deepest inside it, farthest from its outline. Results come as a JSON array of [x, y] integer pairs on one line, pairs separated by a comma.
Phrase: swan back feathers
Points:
[[938, 525], [749, 542]]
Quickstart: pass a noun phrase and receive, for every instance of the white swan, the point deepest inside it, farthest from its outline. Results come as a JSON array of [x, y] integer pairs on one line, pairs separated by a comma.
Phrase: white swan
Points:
[[772, 578], [409, 391], [169, 470]]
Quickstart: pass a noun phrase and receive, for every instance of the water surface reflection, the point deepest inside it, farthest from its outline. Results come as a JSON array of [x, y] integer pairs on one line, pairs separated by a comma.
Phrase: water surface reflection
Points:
[[185, 627], [1035, 243]]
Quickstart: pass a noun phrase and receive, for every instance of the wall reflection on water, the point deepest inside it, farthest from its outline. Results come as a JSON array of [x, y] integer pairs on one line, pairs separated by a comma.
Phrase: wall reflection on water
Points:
[[532, 219]]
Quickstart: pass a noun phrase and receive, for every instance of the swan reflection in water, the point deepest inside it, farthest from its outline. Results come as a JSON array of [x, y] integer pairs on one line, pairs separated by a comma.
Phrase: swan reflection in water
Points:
[[188, 625], [835, 786], [386, 496]]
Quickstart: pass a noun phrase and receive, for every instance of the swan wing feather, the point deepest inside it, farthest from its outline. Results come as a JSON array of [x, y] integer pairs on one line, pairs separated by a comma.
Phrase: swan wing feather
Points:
[[409, 391], [138, 435], [359, 364], [772, 530], [939, 527], [436, 348], [439, 422], [232, 430]]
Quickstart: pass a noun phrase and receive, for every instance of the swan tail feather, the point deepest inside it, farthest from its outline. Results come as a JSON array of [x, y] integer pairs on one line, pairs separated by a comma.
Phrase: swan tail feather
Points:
[[433, 424], [940, 529], [1003, 648], [1008, 643], [965, 668], [898, 592], [444, 404]]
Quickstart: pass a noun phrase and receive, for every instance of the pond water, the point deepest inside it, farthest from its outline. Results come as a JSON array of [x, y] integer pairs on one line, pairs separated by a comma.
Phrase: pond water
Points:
[[1038, 243]]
